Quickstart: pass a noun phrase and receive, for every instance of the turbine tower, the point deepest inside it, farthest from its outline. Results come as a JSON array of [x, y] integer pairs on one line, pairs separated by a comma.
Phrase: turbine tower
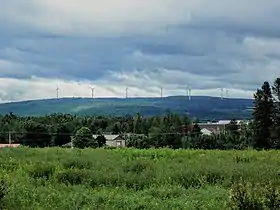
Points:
[[92, 92], [126, 92], [227, 95], [189, 92], [161, 92], [222, 93], [57, 91]]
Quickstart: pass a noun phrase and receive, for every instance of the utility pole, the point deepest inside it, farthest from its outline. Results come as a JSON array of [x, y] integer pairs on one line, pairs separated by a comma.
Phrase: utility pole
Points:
[[10, 138]]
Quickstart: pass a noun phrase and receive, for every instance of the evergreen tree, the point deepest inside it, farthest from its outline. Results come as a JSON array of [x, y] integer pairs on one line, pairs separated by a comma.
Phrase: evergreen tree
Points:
[[196, 131], [233, 128], [263, 117], [276, 94], [101, 141]]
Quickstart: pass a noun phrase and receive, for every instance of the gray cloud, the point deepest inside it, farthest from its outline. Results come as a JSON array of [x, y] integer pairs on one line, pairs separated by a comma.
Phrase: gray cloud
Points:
[[201, 44]]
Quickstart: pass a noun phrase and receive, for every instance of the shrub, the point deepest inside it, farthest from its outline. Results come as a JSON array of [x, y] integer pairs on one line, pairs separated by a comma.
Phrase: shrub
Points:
[[72, 176], [272, 196], [3, 190], [136, 167], [77, 163], [41, 171], [243, 196]]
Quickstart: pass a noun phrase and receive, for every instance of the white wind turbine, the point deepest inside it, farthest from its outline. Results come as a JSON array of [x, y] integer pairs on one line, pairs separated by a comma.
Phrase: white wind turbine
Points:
[[222, 93], [92, 92], [57, 91], [188, 92], [126, 92]]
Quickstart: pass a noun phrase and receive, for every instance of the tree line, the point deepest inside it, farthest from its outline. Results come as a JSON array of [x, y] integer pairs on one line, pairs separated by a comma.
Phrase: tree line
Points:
[[169, 130]]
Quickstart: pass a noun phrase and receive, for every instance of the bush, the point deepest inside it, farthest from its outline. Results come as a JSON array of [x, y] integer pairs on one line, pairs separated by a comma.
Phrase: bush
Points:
[[3, 190], [272, 196], [73, 177], [136, 167], [41, 171], [242, 196], [77, 163], [246, 196]]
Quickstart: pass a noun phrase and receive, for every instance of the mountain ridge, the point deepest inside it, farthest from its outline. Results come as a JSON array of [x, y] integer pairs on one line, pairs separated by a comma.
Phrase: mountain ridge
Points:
[[202, 107]]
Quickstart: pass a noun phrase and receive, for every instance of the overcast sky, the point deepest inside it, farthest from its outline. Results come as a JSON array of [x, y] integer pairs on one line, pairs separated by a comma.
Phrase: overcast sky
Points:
[[143, 44]]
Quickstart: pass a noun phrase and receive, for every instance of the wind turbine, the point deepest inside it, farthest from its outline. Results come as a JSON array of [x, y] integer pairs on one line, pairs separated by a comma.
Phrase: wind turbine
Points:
[[161, 92], [227, 95], [57, 90], [188, 91], [222, 93], [126, 92], [92, 91]]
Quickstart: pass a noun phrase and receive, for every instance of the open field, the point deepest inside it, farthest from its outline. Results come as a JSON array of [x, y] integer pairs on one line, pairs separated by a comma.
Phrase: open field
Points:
[[55, 178]]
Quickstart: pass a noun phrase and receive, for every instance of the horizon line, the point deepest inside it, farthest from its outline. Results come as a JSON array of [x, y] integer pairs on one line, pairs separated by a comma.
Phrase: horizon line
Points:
[[124, 98]]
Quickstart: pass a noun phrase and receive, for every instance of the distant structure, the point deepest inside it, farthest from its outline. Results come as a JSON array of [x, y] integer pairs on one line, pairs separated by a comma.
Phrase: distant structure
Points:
[[126, 92], [92, 92], [161, 92], [222, 93], [57, 91], [227, 93], [188, 92]]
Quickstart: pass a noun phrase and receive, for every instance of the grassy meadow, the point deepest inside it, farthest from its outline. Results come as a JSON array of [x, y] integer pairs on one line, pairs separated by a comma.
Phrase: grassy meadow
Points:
[[56, 178]]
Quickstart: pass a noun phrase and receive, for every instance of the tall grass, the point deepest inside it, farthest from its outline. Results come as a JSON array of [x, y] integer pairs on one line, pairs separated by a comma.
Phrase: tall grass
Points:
[[56, 178]]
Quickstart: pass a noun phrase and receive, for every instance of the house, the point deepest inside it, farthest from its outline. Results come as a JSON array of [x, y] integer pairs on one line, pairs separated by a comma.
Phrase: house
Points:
[[9, 145], [205, 131], [113, 140], [212, 127]]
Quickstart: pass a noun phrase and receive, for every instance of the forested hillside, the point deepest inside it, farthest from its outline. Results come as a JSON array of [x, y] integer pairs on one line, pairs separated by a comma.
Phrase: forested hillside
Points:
[[202, 107]]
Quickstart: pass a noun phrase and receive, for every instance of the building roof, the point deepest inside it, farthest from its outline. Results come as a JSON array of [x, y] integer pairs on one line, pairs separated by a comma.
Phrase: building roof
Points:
[[224, 122], [206, 131], [212, 126], [108, 137], [9, 145]]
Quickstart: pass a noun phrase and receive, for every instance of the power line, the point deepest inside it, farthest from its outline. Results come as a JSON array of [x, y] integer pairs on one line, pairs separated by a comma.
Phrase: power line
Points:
[[57, 133]]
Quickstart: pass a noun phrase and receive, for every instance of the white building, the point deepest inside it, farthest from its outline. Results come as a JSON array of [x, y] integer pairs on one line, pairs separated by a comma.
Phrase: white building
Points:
[[113, 140]]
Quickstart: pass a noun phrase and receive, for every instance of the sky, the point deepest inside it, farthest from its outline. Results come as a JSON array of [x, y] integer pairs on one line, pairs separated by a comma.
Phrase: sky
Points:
[[143, 45]]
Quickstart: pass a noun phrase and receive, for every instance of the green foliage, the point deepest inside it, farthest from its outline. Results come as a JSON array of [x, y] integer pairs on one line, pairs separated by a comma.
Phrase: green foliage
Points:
[[255, 197], [56, 178], [83, 138], [40, 170], [3, 191], [263, 117], [63, 135], [101, 140], [35, 135], [76, 163], [201, 107], [72, 176]]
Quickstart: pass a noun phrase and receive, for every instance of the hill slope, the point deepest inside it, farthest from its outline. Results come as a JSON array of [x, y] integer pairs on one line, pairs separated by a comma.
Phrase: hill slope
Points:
[[203, 107]]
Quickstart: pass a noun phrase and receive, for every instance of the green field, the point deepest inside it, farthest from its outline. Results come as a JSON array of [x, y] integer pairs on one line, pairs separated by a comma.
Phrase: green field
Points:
[[55, 178]]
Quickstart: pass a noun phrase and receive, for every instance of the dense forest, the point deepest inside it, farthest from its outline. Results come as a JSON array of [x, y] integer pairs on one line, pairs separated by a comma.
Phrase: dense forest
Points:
[[169, 130]]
